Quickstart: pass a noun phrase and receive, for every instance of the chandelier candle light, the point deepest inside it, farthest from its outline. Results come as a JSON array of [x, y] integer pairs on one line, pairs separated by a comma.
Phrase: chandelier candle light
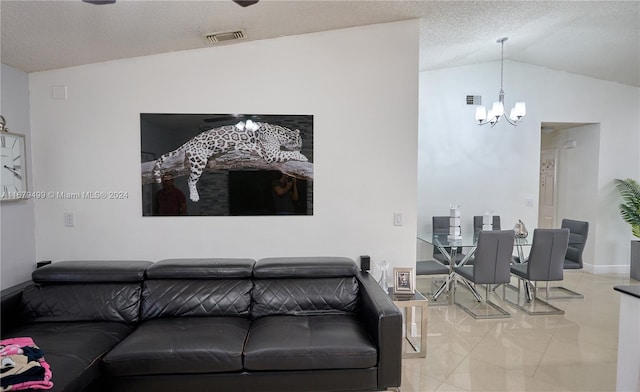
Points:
[[497, 110]]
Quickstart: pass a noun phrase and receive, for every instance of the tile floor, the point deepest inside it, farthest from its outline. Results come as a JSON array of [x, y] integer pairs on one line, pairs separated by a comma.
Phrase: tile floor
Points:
[[576, 351]]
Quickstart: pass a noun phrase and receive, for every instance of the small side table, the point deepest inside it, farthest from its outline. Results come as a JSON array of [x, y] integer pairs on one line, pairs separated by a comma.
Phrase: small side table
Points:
[[413, 303]]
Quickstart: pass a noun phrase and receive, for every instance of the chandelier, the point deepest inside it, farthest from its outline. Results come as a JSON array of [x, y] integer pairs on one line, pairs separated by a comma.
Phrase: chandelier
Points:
[[497, 110]]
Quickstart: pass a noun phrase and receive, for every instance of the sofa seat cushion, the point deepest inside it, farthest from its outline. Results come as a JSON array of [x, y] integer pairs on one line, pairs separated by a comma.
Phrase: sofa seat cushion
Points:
[[181, 345], [308, 343], [73, 349]]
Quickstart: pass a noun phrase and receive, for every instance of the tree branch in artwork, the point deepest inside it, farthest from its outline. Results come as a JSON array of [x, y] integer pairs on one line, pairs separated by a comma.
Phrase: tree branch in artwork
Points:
[[235, 159]]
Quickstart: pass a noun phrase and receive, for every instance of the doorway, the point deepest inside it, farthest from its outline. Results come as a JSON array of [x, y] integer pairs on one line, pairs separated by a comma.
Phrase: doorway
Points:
[[568, 188]]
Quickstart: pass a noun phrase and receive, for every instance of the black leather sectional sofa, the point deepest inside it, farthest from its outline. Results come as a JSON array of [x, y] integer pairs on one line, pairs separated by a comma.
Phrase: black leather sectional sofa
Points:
[[279, 324]]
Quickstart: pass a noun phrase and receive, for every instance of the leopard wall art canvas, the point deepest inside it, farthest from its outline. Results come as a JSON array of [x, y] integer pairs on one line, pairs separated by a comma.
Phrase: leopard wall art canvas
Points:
[[226, 164]]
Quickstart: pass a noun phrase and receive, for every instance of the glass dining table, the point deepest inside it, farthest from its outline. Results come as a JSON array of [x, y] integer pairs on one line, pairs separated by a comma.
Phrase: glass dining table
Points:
[[449, 248]]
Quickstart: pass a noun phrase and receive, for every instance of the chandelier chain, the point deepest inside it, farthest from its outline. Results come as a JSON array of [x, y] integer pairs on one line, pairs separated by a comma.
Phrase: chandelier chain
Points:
[[501, 65]]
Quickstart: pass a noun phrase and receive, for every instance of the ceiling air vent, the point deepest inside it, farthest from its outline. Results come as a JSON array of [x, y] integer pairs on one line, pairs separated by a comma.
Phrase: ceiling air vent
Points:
[[218, 38], [474, 100]]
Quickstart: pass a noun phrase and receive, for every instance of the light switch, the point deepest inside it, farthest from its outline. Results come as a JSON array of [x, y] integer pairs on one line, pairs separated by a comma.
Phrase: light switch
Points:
[[69, 219], [397, 219]]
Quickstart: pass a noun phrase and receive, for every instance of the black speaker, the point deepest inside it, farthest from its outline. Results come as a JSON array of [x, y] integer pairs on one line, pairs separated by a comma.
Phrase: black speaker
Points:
[[365, 263]]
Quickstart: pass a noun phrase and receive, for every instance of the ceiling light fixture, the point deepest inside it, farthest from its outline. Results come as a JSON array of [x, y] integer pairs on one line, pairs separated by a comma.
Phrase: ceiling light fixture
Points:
[[100, 2], [245, 3], [497, 110]]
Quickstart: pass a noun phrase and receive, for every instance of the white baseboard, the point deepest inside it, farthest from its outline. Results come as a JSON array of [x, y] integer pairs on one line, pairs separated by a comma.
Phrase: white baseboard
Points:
[[607, 269]]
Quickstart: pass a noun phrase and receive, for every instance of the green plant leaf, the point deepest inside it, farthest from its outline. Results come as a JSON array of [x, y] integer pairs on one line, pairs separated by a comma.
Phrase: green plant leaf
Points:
[[629, 190]]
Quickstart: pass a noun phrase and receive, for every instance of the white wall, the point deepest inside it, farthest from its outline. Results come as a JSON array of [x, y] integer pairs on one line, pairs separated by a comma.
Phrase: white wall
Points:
[[480, 168], [17, 228], [360, 84], [497, 168]]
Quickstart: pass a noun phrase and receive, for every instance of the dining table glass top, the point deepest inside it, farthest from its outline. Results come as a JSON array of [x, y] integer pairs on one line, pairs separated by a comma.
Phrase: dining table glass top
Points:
[[465, 241]]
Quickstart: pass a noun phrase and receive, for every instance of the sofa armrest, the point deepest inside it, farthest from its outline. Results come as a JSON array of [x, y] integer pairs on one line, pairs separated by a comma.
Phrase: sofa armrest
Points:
[[11, 315], [384, 322]]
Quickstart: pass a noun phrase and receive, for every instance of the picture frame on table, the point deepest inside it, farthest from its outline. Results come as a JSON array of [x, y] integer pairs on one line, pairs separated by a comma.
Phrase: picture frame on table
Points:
[[403, 281]]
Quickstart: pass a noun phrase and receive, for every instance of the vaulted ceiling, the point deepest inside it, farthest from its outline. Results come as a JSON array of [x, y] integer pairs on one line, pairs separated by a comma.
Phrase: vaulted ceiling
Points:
[[599, 39]]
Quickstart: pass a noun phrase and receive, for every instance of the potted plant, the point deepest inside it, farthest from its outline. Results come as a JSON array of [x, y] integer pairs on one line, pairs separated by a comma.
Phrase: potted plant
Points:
[[629, 189]]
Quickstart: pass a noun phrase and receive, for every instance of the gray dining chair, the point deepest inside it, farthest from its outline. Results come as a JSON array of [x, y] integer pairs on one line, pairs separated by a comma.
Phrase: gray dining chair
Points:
[[477, 227], [441, 226], [478, 219], [578, 232], [434, 268], [545, 264], [492, 259]]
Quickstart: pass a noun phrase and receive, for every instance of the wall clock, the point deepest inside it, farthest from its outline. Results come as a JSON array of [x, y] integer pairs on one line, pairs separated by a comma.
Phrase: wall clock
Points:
[[13, 173]]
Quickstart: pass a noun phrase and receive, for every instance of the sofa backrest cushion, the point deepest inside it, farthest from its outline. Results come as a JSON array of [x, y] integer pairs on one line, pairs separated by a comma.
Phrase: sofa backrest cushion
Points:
[[85, 271], [213, 268], [304, 286], [304, 267], [304, 296], [197, 287], [119, 302], [86, 290], [195, 297]]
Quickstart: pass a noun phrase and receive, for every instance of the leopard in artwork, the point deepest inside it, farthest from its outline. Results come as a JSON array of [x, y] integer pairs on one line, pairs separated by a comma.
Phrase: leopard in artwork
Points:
[[267, 140]]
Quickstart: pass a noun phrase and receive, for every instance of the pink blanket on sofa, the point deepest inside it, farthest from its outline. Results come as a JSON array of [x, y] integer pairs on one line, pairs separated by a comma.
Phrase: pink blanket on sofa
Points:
[[23, 366]]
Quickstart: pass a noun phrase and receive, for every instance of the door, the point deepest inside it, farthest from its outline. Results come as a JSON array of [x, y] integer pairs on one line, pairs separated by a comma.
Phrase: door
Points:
[[547, 196]]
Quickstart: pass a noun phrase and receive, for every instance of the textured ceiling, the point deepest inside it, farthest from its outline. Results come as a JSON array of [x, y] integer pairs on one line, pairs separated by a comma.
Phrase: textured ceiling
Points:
[[600, 39]]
